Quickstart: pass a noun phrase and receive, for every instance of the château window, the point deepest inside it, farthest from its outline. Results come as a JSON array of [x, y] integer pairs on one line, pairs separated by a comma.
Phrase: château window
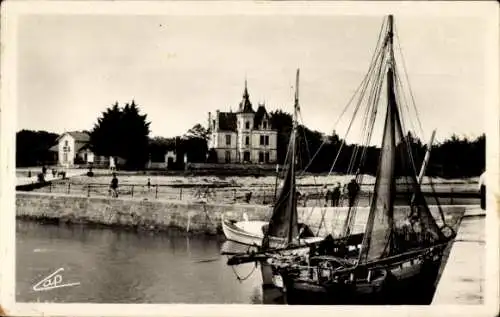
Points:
[[246, 156], [228, 139], [267, 139], [247, 140], [228, 157], [261, 140], [264, 125], [247, 125], [267, 157], [261, 157], [66, 143]]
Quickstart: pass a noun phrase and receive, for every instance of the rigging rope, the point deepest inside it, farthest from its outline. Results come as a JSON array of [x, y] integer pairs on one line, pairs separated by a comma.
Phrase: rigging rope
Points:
[[365, 78], [408, 80], [241, 279]]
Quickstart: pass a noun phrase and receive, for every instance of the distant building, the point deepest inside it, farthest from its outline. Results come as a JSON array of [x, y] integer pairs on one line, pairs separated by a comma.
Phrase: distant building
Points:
[[170, 158], [73, 148], [244, 136]]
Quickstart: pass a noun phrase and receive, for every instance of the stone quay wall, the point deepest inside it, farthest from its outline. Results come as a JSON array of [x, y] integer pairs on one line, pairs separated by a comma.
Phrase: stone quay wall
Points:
[[193, 217], [188, 216]]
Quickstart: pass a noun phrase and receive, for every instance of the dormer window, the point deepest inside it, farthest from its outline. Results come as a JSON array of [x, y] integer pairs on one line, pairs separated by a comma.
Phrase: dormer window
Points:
[[264, 125]]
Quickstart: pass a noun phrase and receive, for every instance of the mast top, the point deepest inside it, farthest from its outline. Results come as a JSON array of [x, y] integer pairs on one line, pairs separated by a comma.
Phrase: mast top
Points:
[[297, 89], [390, 34]]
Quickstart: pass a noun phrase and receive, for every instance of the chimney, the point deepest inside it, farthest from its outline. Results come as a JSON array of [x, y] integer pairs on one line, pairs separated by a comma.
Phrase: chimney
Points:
[[209, 120], [217, 113]]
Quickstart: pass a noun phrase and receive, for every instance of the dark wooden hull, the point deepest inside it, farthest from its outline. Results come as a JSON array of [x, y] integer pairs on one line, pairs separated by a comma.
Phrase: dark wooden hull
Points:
[[406, 284]]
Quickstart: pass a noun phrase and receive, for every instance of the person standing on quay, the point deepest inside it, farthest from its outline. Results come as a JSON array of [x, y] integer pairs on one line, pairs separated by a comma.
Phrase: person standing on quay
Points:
[[328, 196], [482, 189], [352, 191], [336, 195], [114, 186]]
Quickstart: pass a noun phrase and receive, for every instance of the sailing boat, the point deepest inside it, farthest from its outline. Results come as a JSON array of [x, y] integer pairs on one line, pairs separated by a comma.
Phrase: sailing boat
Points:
[[283, 228], [398, 256]]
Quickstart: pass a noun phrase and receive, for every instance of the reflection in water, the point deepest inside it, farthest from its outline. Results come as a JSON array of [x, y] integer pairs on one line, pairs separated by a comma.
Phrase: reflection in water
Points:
[[117, 266]]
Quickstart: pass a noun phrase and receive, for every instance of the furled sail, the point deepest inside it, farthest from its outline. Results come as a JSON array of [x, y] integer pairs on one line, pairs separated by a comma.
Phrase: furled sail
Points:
[[380, 220], [390, 231], [284, 219]]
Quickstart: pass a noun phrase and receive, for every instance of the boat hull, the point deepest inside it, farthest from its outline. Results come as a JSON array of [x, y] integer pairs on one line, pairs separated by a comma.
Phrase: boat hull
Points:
[[250, 233], [404, 284]]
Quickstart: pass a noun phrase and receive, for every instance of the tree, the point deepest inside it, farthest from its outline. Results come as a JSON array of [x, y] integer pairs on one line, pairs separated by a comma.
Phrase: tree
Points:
[[195, 144], [122, 132], [197, 131], [283, 123], [158, 147], [32, 148]]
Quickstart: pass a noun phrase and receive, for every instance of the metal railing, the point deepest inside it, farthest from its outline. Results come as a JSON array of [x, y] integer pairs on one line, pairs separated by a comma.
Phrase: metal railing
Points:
[[310, 195], [263, 195]]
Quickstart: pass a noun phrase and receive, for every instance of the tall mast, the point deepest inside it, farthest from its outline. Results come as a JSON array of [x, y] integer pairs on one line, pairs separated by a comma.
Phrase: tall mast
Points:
[[378, 231], [390, 36], [293, 190]]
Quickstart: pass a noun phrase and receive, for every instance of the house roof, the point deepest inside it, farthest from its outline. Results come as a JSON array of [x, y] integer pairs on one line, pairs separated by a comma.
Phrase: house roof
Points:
[[259, 115], [78, 147], [81, 141], [80, 136], [81, 146], [227, 121], [77, 135]]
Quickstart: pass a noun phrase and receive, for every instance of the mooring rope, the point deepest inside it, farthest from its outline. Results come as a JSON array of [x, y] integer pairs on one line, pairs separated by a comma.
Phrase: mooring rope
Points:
[[241, 279]]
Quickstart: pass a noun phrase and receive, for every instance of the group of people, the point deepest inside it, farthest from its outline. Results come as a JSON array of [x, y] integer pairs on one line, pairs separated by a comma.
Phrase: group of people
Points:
[[41, 176], [334, 195]]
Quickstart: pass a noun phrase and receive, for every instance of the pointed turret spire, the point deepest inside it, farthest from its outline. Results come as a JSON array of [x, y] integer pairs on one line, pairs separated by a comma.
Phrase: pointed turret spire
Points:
[[245, 104], [245, 92]]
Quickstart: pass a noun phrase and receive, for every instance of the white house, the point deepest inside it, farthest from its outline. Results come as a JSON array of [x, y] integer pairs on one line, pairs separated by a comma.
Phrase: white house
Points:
[[244, 136], [72, 148]]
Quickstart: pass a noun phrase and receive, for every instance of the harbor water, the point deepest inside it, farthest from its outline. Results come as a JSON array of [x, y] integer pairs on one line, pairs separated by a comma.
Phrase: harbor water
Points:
[[118, 266]]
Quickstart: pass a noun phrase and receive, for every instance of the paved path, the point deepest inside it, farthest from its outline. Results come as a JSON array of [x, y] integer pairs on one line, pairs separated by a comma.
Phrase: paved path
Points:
[[462, 281], [25, 180]]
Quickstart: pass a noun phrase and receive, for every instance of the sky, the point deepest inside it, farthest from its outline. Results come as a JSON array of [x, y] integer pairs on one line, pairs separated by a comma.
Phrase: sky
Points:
[[178, 68]]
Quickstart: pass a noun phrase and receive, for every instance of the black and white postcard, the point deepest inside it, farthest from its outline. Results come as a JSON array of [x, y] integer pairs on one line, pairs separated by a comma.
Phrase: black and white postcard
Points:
[[242, 158]]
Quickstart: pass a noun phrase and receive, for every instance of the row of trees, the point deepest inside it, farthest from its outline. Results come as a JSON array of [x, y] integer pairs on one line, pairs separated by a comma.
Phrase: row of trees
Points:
[[32, 147], [124, 132], [455, 157]]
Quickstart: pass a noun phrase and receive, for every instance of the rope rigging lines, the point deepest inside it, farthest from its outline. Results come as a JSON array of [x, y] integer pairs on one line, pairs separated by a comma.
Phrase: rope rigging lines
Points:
[[364, 104]]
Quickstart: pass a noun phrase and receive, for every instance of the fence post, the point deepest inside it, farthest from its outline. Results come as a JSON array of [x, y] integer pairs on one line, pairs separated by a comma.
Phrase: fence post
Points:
[[180, 194], [50, 187], [69, 186], [451, 201], [234, 194], [156, 194], [132, 191], [88, 190]]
